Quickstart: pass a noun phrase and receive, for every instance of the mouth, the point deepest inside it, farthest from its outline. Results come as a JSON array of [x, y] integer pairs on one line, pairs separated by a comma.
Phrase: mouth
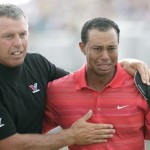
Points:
[[104, 66], [16, 53]]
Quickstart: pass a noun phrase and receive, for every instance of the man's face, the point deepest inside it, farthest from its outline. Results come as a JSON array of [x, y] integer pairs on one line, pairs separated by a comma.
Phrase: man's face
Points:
[[13, 41], [101, 51]]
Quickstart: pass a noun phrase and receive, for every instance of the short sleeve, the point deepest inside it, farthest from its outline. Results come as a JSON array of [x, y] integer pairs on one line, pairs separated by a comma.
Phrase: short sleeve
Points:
[[49, 121], [7, 126], [49, 69]]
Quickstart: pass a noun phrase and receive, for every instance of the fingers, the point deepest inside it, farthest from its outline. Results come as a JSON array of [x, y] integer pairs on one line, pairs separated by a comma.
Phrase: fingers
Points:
[[101, 126], [102, 138], [144, 73], [102, 135], [99, 141], [86, 116], [133, 65], [104, 131], [82, 120], [88, 135]]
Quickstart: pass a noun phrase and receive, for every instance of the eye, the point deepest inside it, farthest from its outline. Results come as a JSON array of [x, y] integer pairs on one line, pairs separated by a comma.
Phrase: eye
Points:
[[111, 49], [8, 36], [97, 49], [24, 34]]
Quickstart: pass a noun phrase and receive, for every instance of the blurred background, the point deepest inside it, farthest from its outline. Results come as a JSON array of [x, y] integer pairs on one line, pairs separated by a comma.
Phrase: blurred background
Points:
[[55, 27]]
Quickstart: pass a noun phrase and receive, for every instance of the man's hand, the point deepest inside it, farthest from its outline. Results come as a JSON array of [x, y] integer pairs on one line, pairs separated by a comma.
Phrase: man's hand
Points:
[[132, 65], [88, 133]]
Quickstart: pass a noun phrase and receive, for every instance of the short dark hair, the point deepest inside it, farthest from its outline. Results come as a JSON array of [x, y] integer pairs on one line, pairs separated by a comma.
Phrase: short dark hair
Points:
[[11, 11], [102, 24]]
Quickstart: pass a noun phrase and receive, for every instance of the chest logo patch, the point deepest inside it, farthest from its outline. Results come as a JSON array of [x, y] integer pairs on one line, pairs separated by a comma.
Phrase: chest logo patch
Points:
[[121, 107], [34, 88], [1, 125]]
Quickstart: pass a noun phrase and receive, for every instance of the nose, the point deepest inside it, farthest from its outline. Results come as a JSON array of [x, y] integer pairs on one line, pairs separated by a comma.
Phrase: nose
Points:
[[105, 55], [17, 41]]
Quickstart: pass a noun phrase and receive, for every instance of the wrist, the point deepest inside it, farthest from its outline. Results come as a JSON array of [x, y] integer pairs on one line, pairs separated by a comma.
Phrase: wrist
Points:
[[69, 136]]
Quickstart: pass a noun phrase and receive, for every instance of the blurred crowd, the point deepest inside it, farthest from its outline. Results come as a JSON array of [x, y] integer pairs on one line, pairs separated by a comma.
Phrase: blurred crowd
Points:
[[55, 27], [69, 15]]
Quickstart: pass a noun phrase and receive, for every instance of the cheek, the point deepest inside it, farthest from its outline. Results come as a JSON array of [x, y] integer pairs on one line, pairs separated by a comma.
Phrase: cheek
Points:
[[114, 55], [5, 48], [25, 43], [91, 58], [5, 44]]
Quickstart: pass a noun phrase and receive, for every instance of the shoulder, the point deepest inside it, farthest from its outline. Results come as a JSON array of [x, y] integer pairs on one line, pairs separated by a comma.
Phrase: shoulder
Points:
[[122, 73], [63, 81], [34, 56], [37, 59], [122, 78]]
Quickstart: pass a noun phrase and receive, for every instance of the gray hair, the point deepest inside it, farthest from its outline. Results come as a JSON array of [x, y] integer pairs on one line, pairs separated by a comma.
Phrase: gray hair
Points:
[[11, 11]]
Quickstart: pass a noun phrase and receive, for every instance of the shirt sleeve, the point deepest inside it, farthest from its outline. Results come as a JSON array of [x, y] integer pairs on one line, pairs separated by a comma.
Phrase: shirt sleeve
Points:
[[49, 119], [7, 126], [54, 72]]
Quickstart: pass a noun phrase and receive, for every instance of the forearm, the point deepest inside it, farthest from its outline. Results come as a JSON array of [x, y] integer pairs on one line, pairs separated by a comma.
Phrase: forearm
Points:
[[37, 141]]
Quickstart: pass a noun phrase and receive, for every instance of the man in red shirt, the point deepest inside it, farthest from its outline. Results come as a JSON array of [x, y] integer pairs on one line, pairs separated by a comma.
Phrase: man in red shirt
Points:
[[102, 86]]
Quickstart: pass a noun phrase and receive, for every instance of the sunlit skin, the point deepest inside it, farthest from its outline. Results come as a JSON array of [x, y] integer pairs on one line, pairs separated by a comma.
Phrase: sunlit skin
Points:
[[101, 51], [13, 41]]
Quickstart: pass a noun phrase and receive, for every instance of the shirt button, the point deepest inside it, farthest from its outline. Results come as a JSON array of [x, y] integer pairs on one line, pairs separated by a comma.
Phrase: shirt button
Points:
[[99, 96], [99, 109]]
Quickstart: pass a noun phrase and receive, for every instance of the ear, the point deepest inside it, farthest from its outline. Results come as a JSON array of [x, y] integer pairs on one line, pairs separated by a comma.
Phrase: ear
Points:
[[82, 47]]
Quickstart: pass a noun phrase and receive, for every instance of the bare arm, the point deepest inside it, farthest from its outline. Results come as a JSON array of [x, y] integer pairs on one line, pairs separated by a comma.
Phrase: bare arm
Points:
[[36, 141], [132, 65], [77, 134]]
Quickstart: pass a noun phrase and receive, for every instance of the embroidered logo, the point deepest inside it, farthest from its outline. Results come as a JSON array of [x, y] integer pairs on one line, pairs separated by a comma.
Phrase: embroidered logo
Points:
[[34, 88], [121, 107], [1, 125]]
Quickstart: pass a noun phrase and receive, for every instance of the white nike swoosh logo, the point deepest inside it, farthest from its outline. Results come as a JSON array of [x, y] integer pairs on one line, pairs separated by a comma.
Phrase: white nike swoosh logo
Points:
[[121, 107], [1, 125]]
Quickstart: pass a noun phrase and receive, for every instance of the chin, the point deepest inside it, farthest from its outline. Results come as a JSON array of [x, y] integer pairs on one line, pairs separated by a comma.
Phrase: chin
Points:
[[104, 73], [16, 64]]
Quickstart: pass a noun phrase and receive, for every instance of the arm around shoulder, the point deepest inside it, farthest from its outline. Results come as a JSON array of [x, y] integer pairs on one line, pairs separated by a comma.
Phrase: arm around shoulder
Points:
[[133, 65]]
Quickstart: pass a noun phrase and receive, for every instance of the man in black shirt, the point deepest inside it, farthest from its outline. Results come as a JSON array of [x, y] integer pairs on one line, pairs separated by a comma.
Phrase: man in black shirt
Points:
[[23, 81]]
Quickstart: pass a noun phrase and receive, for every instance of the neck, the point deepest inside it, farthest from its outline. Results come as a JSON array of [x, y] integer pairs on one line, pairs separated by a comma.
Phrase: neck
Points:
[[97, 81], [11, 73]]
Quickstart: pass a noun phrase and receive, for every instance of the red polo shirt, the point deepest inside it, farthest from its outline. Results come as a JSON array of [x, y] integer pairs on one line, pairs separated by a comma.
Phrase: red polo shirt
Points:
[[119, 103]]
